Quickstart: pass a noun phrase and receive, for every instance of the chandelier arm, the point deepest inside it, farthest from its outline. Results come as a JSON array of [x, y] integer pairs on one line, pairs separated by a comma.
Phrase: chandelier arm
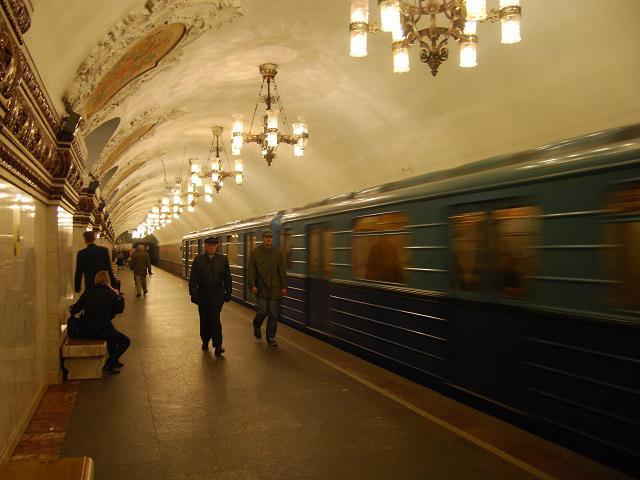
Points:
[[284, 115], [256, 107]]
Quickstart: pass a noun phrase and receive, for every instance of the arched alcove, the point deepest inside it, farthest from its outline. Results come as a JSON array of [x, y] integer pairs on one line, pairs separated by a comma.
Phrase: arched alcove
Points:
[[98, 138], [107, 176]]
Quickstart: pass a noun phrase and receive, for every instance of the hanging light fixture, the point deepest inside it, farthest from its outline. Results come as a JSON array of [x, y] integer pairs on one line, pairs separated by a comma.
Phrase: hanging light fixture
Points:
[[272, 133], [416, 21]]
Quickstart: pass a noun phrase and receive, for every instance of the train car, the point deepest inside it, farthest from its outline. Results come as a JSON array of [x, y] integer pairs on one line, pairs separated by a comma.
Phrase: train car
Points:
[[513, 283]]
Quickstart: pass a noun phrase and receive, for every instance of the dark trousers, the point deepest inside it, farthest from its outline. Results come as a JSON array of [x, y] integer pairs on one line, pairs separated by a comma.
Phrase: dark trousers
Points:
[[268, 308], [117, 344], [210, 326]]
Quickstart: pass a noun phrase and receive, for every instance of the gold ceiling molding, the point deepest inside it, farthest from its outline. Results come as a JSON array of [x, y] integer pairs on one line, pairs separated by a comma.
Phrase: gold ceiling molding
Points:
[[114, 69], [140, 128]]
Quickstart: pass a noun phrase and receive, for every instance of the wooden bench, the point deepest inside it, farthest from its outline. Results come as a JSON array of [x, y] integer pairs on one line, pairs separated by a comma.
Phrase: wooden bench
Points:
[[71, 468], [83, 358]]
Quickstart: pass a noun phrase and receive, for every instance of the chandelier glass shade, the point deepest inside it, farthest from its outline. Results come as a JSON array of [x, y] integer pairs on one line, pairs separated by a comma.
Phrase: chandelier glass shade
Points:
[[273, 132], [417, 22]]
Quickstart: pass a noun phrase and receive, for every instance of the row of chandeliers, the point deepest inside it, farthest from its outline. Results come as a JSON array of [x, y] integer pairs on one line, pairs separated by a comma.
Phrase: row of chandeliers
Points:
[[206, 177]]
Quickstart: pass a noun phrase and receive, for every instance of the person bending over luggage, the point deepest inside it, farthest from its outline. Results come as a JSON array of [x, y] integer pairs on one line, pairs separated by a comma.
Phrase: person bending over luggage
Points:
[[100, 306]]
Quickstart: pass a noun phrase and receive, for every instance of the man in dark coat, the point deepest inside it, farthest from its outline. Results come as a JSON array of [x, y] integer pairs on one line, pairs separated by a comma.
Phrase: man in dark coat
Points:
[[91, 260], [210, 287], [267, 278]]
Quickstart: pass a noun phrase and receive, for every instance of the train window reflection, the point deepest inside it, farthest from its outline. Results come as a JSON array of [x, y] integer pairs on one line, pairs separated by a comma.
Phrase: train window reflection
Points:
[[623, 255], [232, 249], [514, 231], [379, 247], [468, 250], [327, 257], [314, 250]]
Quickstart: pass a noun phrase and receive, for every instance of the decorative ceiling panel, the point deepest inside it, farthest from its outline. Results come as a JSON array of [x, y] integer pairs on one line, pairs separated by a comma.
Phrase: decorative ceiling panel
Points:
[[139, 59]]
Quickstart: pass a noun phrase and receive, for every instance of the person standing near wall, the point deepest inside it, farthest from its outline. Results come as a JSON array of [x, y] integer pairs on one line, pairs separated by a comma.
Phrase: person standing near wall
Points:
[[268, 281], [140, 263], [210, 287], [91, 260]]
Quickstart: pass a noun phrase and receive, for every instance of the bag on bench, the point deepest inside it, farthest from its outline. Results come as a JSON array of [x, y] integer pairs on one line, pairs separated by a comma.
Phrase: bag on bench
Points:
[[73, 326]]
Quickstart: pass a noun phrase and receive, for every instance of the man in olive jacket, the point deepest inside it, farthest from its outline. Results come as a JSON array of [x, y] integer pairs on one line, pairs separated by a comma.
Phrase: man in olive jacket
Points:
[[268, 281], [140, 263], [210, 287]]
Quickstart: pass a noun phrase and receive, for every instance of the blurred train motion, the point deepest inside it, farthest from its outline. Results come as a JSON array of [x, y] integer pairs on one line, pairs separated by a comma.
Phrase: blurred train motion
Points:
[[512, 283]]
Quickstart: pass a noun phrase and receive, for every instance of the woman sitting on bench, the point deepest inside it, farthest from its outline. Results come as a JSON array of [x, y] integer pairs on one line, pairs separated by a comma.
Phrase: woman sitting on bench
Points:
[[100, 305]]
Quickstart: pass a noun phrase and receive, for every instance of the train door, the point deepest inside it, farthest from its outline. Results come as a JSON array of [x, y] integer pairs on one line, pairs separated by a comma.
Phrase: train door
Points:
[[319, 271], [249, 245]]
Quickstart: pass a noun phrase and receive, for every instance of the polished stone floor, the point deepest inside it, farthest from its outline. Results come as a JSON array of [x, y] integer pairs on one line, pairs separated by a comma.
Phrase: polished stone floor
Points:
[[302, 411]]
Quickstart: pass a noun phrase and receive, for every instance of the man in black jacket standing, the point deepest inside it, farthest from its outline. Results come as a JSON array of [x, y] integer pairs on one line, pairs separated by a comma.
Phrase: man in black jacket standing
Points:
[[210, 287], [91, 260]]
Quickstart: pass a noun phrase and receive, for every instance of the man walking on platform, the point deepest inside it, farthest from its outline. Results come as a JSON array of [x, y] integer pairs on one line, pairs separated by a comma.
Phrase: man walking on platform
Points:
[[140, 263], [268, 281], [91, 260], [210, 287]]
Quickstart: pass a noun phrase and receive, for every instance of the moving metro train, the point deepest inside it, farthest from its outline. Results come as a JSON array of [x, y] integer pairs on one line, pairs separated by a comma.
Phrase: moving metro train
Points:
[[512, 283]]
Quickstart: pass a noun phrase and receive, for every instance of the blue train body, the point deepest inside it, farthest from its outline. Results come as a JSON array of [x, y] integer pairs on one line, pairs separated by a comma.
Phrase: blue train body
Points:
[[509, 282]]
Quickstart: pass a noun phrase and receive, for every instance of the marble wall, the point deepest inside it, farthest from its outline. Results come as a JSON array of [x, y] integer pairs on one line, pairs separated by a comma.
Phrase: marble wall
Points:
[[23, 307]]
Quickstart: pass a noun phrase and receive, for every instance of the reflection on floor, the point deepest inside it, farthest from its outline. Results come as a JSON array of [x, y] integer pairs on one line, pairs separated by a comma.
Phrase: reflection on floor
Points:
[[304, 410]]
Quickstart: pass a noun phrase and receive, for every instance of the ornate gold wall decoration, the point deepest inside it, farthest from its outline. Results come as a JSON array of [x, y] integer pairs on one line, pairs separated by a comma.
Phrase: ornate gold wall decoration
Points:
[[140, 58], [29, 124], [18, 15], [196, 17]]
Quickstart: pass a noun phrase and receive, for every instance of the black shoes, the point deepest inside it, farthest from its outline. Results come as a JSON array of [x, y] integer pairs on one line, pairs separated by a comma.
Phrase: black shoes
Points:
[[256, 332], [110, 370], [138, 295], [218, 351], [146, 291], [117, 364], [272, 342], [205, 345]]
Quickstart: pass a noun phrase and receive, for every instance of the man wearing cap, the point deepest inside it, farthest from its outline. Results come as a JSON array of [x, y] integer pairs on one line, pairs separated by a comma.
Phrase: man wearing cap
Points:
[[210, 287], [268, 281]]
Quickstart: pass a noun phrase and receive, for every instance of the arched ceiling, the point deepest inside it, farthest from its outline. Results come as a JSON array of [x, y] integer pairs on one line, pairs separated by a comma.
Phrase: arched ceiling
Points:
[[576, 71]]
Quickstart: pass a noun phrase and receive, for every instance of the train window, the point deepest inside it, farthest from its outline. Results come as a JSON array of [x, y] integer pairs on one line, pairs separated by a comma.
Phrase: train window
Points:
[[623, 258], [379, 243], [467, 247], [327, 258], [314, 250], [232, 249], [193, 249], [514, 232], [287, 245]]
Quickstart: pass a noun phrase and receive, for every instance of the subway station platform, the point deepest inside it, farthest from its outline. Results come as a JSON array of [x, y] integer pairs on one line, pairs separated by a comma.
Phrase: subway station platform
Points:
[[305, 410]]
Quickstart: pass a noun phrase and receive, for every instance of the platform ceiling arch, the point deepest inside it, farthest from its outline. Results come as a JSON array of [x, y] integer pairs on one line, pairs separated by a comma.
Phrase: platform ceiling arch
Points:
[[367, 125]]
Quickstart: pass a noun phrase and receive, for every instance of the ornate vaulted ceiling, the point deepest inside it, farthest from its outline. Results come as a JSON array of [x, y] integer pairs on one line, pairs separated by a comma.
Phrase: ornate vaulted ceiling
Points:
[[169, 70]]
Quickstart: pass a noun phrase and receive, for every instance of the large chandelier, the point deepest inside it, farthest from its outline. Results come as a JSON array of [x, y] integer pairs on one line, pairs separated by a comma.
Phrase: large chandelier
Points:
[[416, 21], [206, 178], [270, 135]]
